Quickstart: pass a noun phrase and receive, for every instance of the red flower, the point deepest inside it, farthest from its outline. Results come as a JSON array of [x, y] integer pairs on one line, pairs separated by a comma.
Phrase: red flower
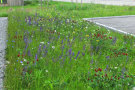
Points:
[[91, 80], [30, 71], [127, 75], [96, 70], [110, 37], [15, 36], [27, 62], [95, 74], [126, 54], [88, 79], [118, 78], [105, 75], [101, 36], [111, 78], [98, 35], [99, 69], [37, 60], [18, 55]]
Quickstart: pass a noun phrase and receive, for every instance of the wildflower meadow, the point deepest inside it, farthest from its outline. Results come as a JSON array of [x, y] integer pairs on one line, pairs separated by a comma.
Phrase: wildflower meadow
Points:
[[48, 50]]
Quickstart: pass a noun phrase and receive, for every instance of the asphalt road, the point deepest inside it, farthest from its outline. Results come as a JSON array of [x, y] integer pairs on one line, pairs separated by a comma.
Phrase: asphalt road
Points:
[[122, 24], [106, 2]]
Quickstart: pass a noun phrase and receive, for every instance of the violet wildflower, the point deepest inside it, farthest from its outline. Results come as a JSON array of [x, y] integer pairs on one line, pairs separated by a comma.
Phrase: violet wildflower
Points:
[[29, 54], [114, 40], [83, 53], [107, 57], [77, 54], [70, 51]]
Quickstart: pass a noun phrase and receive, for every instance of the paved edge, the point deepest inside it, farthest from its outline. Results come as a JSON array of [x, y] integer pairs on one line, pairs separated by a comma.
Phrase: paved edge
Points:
[[108, 27], [3, 52]]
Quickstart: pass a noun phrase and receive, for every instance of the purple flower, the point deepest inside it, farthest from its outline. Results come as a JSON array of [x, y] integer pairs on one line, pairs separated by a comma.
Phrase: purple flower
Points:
[[107, 57], [77, 54], [70, 52], [83, 53], [62, 42], [114, 40], [29, 54], [36, 57], [29, 20], [84, 47], [106, 68], [41, 28], [73, 54]]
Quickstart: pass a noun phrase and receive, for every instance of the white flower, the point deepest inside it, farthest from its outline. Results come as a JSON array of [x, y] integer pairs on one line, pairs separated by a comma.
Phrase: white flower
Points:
[[115, 67], [53, 47], [7, 62], [25, 60], [46, 70], [68, 20], [54, 30], [71, 40], [133, 88], [41, 42]]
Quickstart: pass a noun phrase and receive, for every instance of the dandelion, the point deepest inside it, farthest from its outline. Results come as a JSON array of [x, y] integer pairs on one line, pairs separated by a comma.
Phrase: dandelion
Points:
[[87, 35], [97, 40]]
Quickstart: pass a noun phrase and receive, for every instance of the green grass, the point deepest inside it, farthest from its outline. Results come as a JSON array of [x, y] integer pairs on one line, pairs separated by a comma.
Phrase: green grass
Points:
[[87, 11], [55, 49]]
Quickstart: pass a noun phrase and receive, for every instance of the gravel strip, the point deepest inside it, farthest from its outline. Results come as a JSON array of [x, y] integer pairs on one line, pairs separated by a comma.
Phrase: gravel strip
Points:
[[3, 26]]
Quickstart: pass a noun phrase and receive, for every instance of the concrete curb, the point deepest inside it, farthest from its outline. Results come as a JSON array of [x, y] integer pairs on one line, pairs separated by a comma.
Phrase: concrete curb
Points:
[[108, 27]]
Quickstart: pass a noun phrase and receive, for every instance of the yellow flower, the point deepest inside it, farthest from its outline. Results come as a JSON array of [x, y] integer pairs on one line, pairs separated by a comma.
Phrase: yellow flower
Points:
[[87, 35], [97, 40]]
